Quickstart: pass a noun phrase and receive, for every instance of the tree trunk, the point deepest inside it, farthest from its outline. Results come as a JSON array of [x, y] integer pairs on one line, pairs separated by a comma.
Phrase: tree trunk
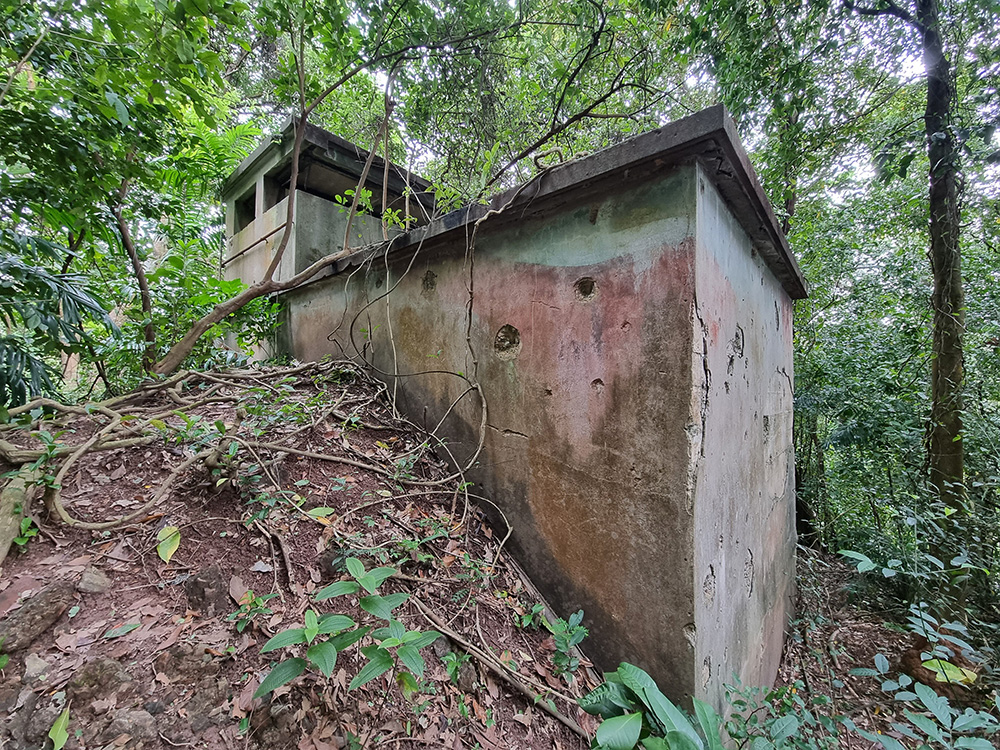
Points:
[[149, 332], [946, 452]]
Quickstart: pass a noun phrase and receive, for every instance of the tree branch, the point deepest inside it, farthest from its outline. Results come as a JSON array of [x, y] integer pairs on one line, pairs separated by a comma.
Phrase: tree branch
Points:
[[887, 8]]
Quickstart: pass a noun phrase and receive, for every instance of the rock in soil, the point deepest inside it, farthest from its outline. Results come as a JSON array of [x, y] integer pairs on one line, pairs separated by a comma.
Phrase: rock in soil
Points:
[[35, 669], [208, 592], [93, 581], [39, 724], [36, 615], [186, 662], [138, 725], [96, 679], [17, 727]]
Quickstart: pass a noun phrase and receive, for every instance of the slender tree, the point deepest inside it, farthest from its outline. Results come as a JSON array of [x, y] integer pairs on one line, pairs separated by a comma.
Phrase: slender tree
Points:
[[946, 451]]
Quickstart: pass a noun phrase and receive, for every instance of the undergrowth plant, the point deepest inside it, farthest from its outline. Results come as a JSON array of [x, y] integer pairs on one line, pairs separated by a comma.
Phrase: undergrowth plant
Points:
[[781, 717], [325, 636], [637, 714], [931, 721], [566, 635]]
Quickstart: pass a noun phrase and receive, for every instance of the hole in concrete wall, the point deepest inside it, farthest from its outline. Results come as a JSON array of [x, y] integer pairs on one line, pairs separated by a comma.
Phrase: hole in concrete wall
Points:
[[626, 327], [585, 289], [706, 671], [430, 281], [748, 573], [507, 343], [597, 385]]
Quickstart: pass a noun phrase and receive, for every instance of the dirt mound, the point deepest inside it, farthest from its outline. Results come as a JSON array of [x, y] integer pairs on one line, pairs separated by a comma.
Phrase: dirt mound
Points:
[[263, 503]]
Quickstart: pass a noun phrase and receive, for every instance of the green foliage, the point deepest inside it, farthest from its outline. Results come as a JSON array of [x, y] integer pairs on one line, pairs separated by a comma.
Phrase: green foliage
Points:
[[567, 635], [931, 720], [781, 718], [251, 607], [27, 530], [453, 664], [391, 644], [532, 618], [637, 714], [45, 314]]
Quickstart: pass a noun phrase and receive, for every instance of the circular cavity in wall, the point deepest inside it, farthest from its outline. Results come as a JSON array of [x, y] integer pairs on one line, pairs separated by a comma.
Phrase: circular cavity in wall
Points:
[[507, 343], [585, 289], [597, 385]]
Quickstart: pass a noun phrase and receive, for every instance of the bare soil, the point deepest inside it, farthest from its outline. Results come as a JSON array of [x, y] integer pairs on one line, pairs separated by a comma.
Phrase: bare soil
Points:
[[152, 653]]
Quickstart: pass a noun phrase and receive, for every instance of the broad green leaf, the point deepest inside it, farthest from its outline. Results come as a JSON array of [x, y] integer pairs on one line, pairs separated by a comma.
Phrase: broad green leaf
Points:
[[671, 717], [711, 724], [945, 671], [407, 684], [784, 727], [375, 578], [382, 606], [285, 638], [680, 741], [324, 656], [345, 640], [332, 623], [340, 588], [926, 725], [420, 640], [379, 662], [620, 732], [412, 659], [311, 629], [935, 704], [606, 700], [283, 672], [974, 743], [59, 733], [169, 538], [321, 512], [971, 720], [355, 567], [864, 563]]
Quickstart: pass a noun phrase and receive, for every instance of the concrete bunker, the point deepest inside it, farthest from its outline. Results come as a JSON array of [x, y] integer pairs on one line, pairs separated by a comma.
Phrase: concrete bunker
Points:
[[630, 327]]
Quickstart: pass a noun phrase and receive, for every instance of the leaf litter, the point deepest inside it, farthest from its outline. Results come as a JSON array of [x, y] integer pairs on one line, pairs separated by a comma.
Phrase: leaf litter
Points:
[[306, 468]]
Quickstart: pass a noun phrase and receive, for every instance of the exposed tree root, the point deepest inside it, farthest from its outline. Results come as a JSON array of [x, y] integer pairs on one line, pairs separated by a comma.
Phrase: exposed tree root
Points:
[[281, 414]]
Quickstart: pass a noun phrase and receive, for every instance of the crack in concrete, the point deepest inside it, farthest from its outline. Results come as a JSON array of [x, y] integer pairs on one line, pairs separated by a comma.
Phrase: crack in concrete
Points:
[[508, 433], [696, 431], [546, 304]]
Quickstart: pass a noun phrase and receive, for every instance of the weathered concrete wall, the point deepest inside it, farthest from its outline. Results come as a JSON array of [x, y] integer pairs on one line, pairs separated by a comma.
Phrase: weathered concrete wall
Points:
[[591, 437], [318, 231], [628, 319], [744, 465]]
